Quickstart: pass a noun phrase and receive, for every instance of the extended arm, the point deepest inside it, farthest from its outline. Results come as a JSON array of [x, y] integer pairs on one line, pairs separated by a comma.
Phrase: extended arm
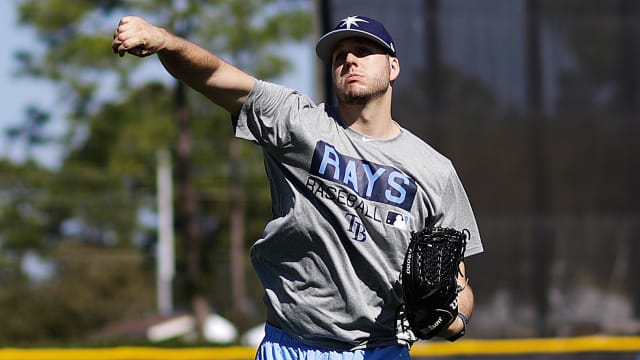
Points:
[[201, 70]]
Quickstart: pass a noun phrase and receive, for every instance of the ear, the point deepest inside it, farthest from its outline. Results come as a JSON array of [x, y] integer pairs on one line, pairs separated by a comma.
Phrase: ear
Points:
[[394, 67]]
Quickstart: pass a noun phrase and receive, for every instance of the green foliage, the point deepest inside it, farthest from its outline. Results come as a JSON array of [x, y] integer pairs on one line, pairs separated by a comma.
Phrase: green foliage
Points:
[[24, 219], [123, 137], [93, 285]]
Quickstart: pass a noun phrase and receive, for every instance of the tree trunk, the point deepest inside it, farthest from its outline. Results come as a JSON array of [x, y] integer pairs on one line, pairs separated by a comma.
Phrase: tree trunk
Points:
[[236, 249], [188, 216]]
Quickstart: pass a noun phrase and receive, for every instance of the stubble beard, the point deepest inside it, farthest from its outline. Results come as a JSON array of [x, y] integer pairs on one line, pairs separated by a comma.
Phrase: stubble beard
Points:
[[362, 96]]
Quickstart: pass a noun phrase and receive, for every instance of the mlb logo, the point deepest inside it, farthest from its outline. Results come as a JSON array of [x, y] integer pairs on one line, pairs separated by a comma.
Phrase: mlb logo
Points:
[[397, 220]]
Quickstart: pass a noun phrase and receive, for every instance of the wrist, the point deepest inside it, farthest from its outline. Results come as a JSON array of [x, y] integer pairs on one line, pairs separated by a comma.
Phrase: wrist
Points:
[[167, 40], [460, 328]]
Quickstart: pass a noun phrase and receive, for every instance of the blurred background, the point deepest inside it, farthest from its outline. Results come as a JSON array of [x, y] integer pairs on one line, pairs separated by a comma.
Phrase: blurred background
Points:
[[125, 204]]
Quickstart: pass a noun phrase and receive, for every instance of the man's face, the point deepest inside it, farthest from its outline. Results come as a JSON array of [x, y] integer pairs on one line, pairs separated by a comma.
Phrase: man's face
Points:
[[362, 71]]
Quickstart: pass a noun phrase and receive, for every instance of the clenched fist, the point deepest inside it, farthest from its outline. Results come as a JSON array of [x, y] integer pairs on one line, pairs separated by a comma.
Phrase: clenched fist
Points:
[[136, 36]]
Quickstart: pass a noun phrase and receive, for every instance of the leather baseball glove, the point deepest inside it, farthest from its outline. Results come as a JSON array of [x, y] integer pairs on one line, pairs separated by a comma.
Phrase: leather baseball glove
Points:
[[429, 286]]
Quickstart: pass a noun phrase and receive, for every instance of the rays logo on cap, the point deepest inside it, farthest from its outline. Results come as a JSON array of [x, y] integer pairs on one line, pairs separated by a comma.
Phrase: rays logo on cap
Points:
[[355, 26], [351, 21]]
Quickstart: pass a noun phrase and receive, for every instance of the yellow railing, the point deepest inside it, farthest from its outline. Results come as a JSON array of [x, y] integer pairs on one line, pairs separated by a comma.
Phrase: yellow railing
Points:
[[527, 346], [130, 353], [420, 350]]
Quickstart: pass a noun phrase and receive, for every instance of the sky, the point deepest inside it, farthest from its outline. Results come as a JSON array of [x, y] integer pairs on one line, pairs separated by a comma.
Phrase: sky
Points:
[[18, 93]]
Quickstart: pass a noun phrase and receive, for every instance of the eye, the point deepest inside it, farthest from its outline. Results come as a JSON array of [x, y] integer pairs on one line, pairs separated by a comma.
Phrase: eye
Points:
[[362, 51], [339, 56]]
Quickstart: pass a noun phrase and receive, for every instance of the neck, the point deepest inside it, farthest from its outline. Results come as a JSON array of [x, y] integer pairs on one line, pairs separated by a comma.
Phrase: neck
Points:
[[371, 119]]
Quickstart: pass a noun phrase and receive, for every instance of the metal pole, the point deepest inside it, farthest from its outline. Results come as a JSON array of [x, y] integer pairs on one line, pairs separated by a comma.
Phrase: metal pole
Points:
[[165, 248]]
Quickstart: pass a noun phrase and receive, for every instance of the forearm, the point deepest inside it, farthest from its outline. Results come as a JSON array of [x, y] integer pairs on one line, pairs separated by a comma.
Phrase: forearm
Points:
[[465, 305], [201, 70]]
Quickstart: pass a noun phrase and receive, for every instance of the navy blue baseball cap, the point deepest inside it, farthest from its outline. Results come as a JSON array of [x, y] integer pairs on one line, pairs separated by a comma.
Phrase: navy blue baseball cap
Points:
[[354, 26]]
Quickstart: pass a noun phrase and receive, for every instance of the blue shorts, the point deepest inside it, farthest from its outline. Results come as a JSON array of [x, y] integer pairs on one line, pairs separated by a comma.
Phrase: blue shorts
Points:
[[277, 345]]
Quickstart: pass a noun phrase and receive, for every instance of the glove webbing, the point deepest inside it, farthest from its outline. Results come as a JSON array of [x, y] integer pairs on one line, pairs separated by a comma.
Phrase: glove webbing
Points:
[[437, 258]]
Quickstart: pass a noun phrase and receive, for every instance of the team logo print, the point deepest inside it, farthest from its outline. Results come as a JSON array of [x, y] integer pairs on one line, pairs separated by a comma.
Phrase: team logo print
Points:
[[351, 21], [397, 220], [371, 181], [356, 228]]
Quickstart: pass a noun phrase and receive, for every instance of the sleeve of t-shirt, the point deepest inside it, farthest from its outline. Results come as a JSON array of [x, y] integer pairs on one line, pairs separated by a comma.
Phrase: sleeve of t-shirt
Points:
[[457, 213], [270, 115]]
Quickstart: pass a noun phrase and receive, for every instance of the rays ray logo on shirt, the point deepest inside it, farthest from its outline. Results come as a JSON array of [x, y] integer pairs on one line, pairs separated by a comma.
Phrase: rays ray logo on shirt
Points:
[[376, 182]]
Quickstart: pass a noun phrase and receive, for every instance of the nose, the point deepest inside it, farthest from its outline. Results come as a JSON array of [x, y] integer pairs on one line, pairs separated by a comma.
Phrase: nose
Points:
[[350, 58]]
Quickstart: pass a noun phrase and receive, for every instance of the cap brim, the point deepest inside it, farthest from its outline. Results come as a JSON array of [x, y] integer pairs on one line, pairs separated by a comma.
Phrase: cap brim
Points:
[[327, 43]]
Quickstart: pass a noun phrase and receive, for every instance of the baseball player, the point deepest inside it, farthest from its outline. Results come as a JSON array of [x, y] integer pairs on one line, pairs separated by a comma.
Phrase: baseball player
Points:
[[348, 185]]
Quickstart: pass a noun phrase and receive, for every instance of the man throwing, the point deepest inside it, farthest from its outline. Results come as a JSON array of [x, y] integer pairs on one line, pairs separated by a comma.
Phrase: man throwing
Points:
[[349, 184]]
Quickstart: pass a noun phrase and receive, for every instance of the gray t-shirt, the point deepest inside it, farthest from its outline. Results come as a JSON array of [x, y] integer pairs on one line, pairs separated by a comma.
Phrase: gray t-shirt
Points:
[[344, 205]]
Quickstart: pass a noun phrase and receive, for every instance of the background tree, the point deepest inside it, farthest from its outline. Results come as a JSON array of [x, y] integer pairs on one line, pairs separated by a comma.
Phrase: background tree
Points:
[[118, 118], [30, 132]]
